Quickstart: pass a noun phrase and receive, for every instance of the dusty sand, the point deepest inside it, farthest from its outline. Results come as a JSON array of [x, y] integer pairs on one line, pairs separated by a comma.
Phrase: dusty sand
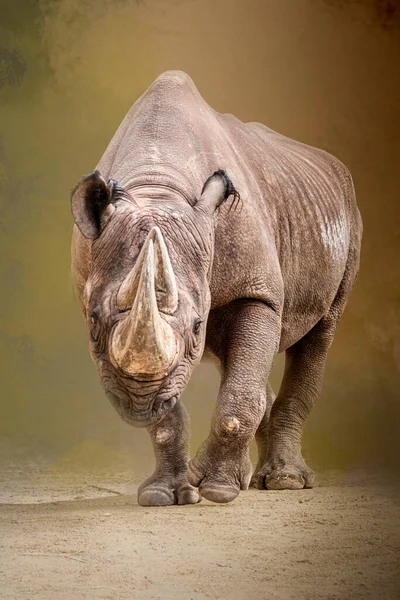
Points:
[[63, 539]]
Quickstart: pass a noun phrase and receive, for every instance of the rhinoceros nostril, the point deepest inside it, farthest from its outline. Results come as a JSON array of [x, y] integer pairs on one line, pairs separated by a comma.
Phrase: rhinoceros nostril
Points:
[[170, 403], [160, 407]]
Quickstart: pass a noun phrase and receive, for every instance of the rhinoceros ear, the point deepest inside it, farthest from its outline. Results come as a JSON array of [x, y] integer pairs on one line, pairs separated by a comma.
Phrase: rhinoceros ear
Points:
[[216, 190], [90, 203]]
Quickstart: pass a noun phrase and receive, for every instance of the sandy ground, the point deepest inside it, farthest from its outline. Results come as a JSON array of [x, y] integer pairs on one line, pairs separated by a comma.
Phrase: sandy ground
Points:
[[61, 539]]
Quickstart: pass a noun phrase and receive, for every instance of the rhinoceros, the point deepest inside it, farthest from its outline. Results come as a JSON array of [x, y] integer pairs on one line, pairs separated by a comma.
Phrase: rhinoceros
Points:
[[199, 235]]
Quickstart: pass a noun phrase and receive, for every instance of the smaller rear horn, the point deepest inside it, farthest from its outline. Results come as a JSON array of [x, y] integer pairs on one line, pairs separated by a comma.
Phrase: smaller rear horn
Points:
[[165, 281]]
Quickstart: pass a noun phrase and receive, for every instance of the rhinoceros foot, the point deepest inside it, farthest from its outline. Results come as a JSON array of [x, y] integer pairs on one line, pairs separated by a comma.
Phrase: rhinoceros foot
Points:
[[158, 491], [220, 472], [283, 475]]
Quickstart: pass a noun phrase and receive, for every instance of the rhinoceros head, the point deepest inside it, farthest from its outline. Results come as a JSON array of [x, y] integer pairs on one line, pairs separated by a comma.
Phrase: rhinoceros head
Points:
[[146, 294]]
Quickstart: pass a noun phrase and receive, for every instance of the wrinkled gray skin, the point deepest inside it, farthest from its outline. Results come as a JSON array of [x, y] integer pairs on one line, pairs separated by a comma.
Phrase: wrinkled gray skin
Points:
[[272, 273]]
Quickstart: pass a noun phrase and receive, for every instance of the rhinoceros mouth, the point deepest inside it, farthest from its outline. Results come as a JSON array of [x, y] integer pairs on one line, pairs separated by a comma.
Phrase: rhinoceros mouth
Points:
[[142, 417]]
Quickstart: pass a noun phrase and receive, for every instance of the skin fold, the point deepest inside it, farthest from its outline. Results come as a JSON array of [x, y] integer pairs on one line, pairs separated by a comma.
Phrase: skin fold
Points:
[[250, 243]]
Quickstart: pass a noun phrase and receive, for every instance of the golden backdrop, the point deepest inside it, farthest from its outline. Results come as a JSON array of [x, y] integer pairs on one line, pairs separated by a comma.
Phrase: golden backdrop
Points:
[[324, 72]]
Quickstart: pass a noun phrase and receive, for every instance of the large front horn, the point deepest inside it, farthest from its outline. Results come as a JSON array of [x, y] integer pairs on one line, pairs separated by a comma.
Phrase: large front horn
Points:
[[166, 288], [144, 345]]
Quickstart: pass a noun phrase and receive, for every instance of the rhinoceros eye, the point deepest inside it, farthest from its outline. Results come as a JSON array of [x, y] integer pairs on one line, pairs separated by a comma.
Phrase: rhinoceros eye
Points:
[[94, 326], [197, 326]]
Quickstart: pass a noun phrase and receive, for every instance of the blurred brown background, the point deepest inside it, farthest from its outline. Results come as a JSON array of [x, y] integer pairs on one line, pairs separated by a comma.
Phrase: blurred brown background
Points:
[[326, 72]]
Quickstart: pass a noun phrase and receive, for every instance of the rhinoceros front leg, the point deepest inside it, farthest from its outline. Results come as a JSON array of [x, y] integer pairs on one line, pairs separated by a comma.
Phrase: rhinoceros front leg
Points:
[[244, 335], [169, 485], [281, 465]]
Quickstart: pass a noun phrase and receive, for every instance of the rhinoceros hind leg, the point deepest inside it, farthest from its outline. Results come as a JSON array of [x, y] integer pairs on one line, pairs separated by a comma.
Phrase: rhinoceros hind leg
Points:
[[293, 475], [283, 466], [262, 437]]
